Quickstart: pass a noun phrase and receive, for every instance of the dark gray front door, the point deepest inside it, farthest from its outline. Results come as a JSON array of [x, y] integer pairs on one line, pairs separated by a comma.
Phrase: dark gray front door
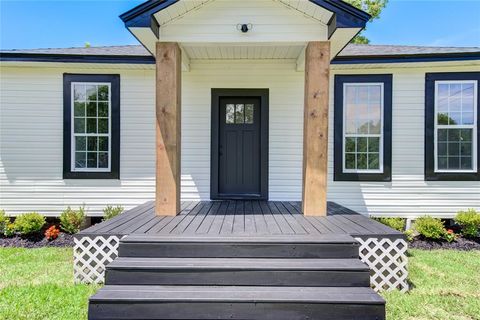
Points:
[[239, 156]]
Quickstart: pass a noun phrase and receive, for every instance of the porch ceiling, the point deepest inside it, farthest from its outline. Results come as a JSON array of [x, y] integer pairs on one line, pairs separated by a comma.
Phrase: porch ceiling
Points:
[[208, 29]]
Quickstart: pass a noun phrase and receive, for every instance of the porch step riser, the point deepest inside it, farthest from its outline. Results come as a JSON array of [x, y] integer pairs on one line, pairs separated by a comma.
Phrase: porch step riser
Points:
[[220, 250], [234, 310], [239, 278]]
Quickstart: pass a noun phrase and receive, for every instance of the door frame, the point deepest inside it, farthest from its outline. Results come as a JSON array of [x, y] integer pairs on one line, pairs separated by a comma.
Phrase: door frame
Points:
[[217, 94]]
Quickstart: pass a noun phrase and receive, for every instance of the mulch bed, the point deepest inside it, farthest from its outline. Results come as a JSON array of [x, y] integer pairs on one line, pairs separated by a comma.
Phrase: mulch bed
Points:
[[460, 244], [37, 241]]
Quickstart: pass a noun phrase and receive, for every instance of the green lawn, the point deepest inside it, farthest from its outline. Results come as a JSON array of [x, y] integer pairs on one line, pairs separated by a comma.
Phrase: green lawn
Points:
[[38, 284]]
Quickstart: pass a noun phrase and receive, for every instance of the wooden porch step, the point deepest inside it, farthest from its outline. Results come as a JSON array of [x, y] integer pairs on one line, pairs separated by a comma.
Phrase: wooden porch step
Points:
[[266, 303], [286, 246], [238, 272]]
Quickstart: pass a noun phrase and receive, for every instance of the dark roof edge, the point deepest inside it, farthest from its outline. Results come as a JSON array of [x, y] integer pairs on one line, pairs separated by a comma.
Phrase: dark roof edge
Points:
[[78, 58], [350, 15], [426, 57], [75, 58]]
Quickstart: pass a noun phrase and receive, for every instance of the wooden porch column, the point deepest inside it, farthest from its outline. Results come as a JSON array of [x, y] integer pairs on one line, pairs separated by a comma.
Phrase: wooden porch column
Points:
[[315, 128], [168, 113]]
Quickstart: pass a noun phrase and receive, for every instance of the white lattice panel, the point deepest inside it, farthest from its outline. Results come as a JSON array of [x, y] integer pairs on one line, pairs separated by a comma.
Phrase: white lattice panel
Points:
[[388, 261], [91, 255]]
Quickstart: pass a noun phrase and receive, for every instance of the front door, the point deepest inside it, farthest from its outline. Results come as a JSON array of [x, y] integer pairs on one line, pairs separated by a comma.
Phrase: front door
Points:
[[239, 147]]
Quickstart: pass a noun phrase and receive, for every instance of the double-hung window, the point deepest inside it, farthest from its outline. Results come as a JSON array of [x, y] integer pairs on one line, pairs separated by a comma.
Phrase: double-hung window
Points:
[[451, 138], [362, 127], [91, 137]]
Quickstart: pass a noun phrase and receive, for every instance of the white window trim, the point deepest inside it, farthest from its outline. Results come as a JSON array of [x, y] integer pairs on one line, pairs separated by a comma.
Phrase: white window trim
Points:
[[73, 134], [381, 135], [473, 126]]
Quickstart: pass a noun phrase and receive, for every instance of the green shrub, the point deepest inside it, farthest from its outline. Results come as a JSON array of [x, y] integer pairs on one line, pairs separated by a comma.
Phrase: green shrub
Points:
[[394, 223], [410, 234], [110, 212], [3, 221], [29, 223], [430, 228], [9, 230], [469, 221], [71, 220]]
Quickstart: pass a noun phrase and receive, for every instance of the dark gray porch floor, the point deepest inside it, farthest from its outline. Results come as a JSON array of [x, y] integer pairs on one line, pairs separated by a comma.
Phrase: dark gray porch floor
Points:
[[236, 218]]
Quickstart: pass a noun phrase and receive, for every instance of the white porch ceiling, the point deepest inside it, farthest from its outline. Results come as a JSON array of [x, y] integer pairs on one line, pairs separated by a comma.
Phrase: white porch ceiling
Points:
[[223, 51]]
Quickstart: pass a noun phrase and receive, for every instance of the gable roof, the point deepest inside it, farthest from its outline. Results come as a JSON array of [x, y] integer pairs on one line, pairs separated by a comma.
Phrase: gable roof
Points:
[[353, 53]]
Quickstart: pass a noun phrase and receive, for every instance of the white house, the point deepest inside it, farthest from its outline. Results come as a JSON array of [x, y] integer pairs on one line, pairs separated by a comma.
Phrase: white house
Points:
[[77, 125]]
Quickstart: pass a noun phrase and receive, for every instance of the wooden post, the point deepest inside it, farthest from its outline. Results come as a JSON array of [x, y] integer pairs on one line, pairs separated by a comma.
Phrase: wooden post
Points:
[[168, 113], [315, 128]]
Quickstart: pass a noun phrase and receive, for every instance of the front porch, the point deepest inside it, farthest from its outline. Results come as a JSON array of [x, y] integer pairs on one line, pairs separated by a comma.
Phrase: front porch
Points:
[[381, 248]]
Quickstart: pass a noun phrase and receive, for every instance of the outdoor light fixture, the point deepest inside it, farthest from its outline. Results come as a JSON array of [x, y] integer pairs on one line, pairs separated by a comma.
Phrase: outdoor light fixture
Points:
[[244, 27]]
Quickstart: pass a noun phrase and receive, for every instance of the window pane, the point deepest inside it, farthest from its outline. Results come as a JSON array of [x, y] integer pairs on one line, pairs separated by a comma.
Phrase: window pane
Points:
[[80, 159], [466, 163], [102, 93], [91, 92], [442, 135], [467, 118], [465, 134], [239, 116], [373, 144], [103, 160], [91, 125], [79, 92], [362, 161], [453, 149], [80, 144], [92, 160], [103, 143], [102, 125], [453, 163], [442, 148], [362, 126], [79, 109], [455, 118], [249, 113], [91, 109], [442, 163], [362, 144], [79, 125], [92, 144], [362, 94], [350, 161], [373, 161], [443, 119], [103, 109], [349, 144], [230, 113]]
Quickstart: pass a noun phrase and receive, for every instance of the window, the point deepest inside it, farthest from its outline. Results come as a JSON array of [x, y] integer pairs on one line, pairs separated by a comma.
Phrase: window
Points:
[[451, 137], [91, 126], [239, 113], [362, 127]]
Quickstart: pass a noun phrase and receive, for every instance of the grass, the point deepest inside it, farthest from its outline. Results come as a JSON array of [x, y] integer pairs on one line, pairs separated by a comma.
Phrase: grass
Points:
[[38, 284], [445, 286]]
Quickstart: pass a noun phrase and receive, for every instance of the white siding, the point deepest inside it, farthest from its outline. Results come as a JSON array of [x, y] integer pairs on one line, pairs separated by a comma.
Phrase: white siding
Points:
[[31, 141]]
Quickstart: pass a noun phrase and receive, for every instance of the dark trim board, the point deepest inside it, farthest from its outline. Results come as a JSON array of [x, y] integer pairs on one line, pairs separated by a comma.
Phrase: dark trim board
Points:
[[114, 80], [146, 60], [430, 174], [340, 80], [263, 94]]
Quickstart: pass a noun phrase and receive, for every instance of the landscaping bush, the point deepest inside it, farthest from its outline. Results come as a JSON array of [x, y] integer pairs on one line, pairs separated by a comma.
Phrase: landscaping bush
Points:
[[469, 221], [430, 228], [52, 233], [110, 212], [29, 223], [9, 230], [71, 220], [394, 223], [3, 221]]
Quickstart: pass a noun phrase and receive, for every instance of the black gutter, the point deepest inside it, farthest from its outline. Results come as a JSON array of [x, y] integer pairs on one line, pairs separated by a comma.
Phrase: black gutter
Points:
[[75, 58], [78, 58], [434, 57]]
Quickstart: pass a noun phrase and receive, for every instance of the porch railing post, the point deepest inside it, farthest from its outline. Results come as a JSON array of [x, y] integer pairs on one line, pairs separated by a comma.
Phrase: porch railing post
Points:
[[168, 122], [315, 128]]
